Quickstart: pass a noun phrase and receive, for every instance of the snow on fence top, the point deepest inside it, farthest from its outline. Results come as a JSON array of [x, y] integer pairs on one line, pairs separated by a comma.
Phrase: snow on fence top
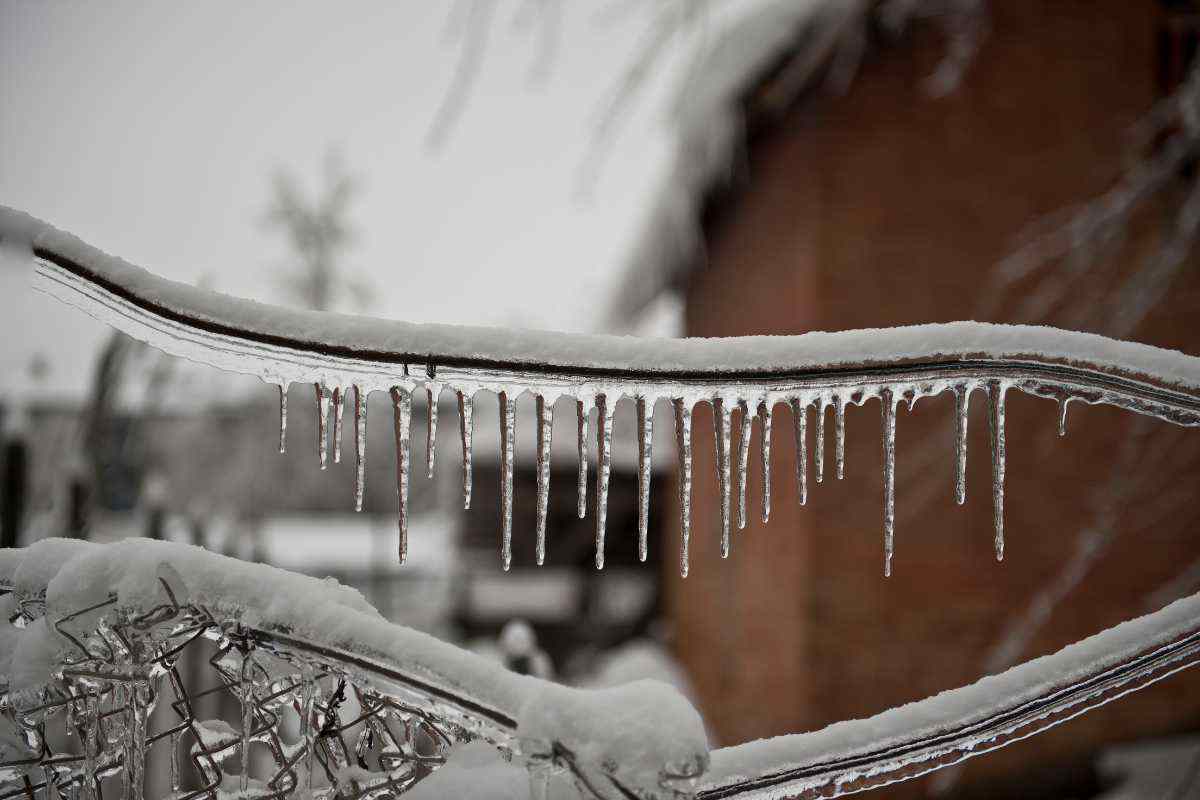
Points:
[[643, 739], [743, 378], [640, 732]]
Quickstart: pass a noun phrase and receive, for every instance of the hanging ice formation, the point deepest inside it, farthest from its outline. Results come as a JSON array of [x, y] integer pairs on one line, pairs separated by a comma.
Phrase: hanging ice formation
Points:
[[745, 380]]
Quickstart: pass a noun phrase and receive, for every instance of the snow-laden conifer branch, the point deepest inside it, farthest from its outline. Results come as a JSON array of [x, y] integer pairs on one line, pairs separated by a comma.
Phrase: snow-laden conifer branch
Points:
[[818, 370]]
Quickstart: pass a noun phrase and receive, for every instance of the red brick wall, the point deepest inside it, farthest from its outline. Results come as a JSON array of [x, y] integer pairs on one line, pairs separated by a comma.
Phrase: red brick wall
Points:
[[888, 207]]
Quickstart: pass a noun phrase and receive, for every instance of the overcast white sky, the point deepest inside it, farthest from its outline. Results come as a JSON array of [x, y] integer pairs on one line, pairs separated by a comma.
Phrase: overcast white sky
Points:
[[151, 130]]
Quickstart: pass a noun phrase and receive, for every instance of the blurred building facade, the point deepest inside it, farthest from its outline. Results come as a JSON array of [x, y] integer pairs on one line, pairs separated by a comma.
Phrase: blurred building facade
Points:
[[886, 206]]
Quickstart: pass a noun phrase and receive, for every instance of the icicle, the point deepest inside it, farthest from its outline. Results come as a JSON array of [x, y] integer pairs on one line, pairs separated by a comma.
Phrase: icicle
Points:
[[360, 445], [1062, 414], [508, 432], [282, 418], [322, 424], [721, 435], [338, 403], [962, 401], [402, 409], [91, 746], [889, 478], [135, 738], [839, 435], [604, 427], [174, 768], [545, 432], [819, 452], [308, 700], [996, 392], [764, 416], [683, 441], [645, 423], [743, 462], [581, 414], [465, 427], [431, 432], [247, 719], [800, 425]]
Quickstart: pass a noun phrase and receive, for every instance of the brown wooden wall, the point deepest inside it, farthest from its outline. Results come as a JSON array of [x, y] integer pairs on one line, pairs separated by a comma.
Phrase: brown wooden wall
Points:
[[888, 207]]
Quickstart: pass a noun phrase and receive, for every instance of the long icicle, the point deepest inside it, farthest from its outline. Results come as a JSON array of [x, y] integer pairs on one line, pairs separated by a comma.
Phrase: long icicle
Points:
[[721, 435], [765, 413], [402, 407], [431, 432], [1062, 414], [819, 451], [683, 442], [508, 435], [545, 433], [360, 445], [839, 435], [322, 424], [800, 426], [339, 398], [996, 392], [889, 478], [582, 439], [465, 428], [743, 464], [645, 423], [604, 428], [283, 390], [962, 402]]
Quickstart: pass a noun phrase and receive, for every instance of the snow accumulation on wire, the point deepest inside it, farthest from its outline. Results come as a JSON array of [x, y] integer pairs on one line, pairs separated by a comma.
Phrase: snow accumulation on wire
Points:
[[638, 740], [345, 356]]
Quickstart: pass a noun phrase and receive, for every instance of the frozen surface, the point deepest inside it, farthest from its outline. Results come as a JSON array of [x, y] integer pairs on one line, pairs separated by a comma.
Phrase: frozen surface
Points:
[[957, 708], [355, 334], [642, 729]]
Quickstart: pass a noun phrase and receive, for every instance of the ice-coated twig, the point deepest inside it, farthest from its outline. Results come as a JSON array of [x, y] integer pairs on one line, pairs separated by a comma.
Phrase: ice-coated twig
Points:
[[285, 346]]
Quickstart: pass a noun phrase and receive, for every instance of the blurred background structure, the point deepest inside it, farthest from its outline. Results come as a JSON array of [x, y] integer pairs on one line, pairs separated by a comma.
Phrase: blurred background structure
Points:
[[671, 168]]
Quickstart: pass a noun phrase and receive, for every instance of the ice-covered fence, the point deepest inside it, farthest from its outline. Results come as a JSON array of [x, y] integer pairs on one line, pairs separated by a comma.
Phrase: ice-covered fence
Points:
[[346, 357], [275, 685], [278, 685]]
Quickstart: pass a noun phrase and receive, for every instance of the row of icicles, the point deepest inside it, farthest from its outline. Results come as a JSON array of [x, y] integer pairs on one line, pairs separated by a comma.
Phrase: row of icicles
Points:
[[723, 420]]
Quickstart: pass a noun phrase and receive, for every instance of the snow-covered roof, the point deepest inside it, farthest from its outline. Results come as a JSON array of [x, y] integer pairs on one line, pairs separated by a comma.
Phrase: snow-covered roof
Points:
[[706, 113]]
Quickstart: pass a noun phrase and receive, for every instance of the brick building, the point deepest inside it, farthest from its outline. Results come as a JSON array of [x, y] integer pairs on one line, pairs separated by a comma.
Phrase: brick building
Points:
[[883, 206]]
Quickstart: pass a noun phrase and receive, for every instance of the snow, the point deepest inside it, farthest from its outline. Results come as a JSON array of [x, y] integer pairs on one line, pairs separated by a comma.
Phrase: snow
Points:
[[344, 334], [955, 709], [594, 725]]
